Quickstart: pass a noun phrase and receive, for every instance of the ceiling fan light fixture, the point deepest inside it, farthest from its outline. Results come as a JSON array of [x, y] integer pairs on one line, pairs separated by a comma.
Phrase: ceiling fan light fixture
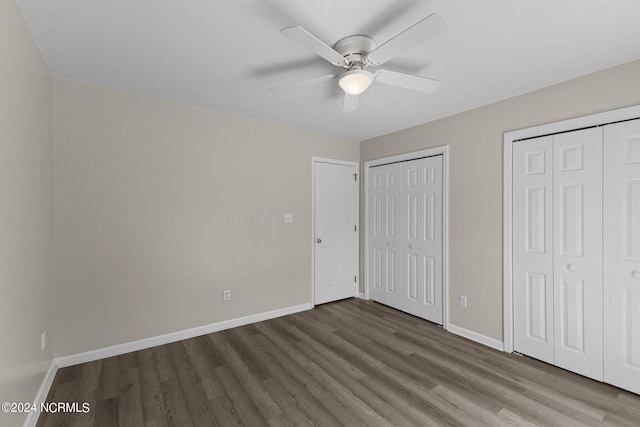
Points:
[[355, 82]]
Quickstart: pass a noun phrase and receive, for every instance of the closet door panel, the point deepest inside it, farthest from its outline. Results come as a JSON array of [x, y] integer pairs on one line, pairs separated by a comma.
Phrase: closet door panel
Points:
[[532, 247], [422, 196], [578, 252], [384, 245], [622, 255]]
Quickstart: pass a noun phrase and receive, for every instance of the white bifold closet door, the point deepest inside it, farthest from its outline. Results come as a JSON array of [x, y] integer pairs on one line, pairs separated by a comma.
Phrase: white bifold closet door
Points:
[[557, 249], [622, 255], [405, 237]]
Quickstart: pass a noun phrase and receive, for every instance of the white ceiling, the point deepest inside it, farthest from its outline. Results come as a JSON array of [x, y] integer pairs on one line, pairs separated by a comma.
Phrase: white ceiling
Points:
[[225, 54]]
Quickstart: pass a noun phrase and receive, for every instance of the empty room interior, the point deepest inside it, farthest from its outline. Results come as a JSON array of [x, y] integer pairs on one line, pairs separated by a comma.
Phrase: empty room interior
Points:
[[285, 213]]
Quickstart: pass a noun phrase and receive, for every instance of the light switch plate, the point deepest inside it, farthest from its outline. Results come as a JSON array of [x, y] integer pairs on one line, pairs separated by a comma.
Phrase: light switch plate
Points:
[[288, 218], [463, 301]]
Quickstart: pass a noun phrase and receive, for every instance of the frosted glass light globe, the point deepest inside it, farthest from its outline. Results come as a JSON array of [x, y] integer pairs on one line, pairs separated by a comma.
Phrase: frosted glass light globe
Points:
[[355, 82]]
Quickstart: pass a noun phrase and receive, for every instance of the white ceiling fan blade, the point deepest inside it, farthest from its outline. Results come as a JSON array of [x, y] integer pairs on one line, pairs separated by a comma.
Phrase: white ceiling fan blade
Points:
[[315, 45], [303, 83], [350, 103], [430, 27], [407, 81]]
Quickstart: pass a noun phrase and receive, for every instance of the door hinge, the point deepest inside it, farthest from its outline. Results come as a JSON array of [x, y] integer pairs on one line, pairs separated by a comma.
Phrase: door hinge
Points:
[[355, 279], [355, 228], [355, 176]]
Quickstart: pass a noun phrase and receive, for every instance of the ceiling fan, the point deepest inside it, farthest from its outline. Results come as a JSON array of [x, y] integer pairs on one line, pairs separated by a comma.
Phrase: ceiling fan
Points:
[[357, 53]]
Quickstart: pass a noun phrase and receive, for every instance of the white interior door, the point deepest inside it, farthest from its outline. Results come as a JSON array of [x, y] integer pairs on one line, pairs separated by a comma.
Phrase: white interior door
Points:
[[533, 248], [335, 231], [422, 236], [557, 250], [406, 236], [577, 224], [622, 255], [383, 240]]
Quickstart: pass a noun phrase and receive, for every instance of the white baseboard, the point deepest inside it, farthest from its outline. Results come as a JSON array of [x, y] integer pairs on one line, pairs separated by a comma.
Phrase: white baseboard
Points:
[[115, 350], [361, 295], [474, 336], [41, 396]]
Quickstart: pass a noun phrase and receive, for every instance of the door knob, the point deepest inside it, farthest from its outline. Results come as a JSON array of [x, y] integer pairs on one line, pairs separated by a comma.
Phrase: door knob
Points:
[[635, 274], [318, 240], [571, 267]]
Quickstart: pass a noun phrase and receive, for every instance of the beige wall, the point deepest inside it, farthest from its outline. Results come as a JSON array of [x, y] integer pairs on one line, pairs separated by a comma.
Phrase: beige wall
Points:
[[160, 207], [26, 228], [475, 139]]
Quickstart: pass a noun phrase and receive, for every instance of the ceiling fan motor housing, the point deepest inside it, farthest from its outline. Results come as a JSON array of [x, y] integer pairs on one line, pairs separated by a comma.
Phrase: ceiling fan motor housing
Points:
[[355, 49]]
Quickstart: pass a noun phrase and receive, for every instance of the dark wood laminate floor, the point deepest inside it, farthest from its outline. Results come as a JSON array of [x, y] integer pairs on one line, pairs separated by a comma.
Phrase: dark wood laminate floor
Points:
[[352, 363]]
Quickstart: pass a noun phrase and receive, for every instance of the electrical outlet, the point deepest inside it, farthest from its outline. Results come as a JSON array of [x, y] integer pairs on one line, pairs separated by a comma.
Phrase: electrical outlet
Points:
[[43, 340], [463, 301], [288, 218], [226, 295]]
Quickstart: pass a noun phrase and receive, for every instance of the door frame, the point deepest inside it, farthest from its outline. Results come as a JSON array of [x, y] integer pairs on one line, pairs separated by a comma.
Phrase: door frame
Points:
[[599, 119], [444, 151], [356, 257]]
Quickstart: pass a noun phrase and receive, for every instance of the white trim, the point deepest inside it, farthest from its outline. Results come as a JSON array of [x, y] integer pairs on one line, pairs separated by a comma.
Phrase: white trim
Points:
[[316, 159], [509, 138], [115, 350], [365, 229], [507, 249], [356, 165], [474, 336], [362, 296], [41, 396], [444, 150], [445, 236]]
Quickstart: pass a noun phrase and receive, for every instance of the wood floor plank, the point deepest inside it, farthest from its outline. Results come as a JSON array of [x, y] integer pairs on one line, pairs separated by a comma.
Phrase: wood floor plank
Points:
[[107, 413], [177, 410], [130, 411], [164, 364], [466, 412], [260, 397], [512, 419], [205, 370], [87, 392], [241, 401], [176, 405], [289, 404], [239, 339], [109, 379], [281, 421], [68, 374], [226, 414], [294, 384], [351, 363], [65, 392], [399, 381], [396, 409], [544, 395], [286, 342], [348, 377], [153, 407], [363, 413], [194, 395]]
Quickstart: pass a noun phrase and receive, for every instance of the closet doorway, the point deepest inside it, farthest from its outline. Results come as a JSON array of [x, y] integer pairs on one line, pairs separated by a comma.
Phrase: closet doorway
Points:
[[572, 257], [406, 233]]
